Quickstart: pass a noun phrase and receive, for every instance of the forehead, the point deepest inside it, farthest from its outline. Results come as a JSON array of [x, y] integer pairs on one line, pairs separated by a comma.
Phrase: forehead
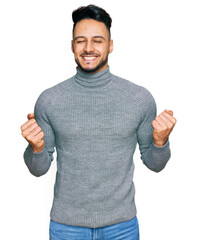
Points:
[[90, 28]]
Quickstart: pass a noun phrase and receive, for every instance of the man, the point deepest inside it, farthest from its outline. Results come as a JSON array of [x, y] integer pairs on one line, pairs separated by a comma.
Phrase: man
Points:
[[94, 120]]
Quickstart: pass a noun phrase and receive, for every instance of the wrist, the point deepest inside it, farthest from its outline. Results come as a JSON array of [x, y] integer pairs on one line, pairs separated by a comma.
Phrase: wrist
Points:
[[37, 150], [160, 143]]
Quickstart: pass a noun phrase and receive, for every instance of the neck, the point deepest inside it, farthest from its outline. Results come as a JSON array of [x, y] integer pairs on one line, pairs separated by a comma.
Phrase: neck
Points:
[[93, 80]]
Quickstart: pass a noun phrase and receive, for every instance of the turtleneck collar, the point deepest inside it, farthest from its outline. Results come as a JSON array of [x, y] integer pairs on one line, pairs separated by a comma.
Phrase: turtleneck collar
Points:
[[93, 80]]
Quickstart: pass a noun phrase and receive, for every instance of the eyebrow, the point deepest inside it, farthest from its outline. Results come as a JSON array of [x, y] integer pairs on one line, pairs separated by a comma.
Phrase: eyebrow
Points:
[[84, 37]]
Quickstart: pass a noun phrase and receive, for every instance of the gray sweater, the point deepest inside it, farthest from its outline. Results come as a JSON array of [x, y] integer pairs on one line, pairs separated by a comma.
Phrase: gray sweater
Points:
[[95, 122]]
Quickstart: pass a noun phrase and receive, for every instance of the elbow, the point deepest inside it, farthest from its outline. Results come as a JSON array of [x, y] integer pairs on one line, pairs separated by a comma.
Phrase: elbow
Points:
[[37, 173], [157, 163], [156, 170], [37, 167], [156, 167], [37, 170]]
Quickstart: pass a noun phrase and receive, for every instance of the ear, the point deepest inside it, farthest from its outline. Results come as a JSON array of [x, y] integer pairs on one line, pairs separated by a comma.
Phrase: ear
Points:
[[72, 46], [111, 46]]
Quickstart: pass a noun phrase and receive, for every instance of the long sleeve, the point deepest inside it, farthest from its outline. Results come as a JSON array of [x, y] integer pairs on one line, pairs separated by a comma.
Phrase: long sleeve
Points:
[[155, 158], [39, 163], [94, 122]]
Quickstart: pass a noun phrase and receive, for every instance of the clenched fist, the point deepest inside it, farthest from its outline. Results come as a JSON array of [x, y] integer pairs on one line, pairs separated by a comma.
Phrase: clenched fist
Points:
[[33, 133], [163, 125]]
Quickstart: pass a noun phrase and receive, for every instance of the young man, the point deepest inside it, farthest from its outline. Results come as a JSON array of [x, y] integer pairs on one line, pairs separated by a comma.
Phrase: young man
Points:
[[94, 120]]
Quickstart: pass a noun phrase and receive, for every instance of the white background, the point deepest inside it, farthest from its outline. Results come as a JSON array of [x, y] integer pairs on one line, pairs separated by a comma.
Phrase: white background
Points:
[[155, 45]]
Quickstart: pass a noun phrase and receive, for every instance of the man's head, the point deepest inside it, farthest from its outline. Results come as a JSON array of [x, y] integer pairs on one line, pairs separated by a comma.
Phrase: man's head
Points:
[[91, 42]]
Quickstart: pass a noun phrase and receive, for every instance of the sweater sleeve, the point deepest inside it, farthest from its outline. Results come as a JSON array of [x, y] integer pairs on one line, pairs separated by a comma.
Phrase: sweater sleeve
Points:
[[155, 158], [39, 163]]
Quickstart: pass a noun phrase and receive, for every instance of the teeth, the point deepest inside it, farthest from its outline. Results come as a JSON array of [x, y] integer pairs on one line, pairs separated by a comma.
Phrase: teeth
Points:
[[89, 58]]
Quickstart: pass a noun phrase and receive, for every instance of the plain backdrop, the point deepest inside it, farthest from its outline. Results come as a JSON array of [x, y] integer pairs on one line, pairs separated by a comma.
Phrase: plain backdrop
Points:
[[155, 45]]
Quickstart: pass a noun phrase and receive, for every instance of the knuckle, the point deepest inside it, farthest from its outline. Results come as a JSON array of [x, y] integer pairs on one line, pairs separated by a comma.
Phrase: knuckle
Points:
[[41, 135], [28, 137], [23, 134], [32, 121]]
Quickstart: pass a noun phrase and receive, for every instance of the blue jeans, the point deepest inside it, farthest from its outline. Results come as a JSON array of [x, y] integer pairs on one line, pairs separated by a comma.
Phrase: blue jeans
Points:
[[128, 230]]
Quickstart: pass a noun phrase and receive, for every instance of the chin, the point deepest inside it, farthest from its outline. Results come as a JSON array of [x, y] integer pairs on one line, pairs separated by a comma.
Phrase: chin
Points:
[[89, 70], [93, 69]]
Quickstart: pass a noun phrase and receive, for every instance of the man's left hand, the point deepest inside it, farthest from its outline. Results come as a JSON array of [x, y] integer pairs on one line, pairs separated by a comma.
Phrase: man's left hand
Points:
[[163, 125]]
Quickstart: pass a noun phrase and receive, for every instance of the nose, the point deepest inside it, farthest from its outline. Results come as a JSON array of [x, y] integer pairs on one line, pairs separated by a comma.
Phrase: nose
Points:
[[89, 47]]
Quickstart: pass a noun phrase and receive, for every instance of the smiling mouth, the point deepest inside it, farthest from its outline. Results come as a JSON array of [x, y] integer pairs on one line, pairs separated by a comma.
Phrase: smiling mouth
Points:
[[89, 58]]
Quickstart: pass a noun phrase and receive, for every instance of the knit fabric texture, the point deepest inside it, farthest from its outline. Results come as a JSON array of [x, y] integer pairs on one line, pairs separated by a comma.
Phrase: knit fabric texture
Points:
[[94, 121]]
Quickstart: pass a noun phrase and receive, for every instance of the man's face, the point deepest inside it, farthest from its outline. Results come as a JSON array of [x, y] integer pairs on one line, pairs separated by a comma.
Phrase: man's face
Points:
[[91, 45]]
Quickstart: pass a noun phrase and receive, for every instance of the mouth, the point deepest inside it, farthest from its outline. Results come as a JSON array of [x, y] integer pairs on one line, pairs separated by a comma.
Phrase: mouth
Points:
[[89, 59]]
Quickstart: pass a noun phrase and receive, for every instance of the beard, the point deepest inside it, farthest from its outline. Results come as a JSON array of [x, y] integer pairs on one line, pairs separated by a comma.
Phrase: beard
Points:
[[87, 70]]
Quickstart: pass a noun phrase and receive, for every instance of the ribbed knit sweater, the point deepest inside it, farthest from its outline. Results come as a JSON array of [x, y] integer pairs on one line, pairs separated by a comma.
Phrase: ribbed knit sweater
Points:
[[95, 120]]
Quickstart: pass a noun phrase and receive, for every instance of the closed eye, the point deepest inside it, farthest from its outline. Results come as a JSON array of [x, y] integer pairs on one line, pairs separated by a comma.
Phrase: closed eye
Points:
[[81, 41]]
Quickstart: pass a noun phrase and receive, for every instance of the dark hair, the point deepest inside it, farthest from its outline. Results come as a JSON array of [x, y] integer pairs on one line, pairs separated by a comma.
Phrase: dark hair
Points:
[[92, 12]]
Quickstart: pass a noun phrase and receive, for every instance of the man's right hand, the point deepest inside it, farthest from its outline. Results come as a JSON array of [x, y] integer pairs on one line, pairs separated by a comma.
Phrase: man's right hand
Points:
[[33, 133]]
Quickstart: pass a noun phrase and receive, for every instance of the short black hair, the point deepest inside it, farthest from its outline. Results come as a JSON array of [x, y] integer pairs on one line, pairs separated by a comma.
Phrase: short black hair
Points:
[[92, 12]]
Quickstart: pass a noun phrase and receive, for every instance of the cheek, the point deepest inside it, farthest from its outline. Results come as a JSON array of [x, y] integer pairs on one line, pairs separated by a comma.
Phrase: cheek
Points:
[[104, 51], [77, 50]]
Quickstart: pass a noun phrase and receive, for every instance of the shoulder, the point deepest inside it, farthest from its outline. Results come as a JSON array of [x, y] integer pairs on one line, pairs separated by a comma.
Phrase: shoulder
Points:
[[50, 95], [133, 91]]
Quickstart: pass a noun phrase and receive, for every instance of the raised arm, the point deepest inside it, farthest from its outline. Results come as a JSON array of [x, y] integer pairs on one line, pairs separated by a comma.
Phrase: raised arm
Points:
[[153, 134], [40, 136]]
